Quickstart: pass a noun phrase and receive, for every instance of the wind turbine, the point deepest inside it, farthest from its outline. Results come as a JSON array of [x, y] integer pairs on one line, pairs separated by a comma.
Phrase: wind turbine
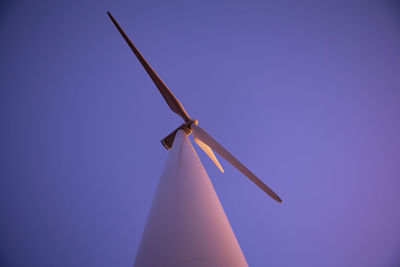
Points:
[[185, 159]]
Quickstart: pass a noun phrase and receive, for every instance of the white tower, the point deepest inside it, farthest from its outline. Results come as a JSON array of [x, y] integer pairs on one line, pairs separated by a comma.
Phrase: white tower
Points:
[[187, 225]]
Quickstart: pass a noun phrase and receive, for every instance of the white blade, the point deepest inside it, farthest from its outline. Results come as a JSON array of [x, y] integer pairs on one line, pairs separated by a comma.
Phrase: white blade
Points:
[[208, 151], [199, 133]]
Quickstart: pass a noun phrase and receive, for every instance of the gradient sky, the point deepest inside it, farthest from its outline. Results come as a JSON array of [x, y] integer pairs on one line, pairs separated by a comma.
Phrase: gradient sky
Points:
[[305, 94]]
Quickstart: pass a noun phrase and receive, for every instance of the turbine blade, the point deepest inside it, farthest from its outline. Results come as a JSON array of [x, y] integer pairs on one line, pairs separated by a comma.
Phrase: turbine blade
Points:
[[213, 144], [209, 152], [169, 97]]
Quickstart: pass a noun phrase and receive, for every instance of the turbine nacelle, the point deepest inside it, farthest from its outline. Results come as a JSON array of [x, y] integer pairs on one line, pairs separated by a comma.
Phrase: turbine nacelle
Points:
[[190, 127], [169, 140]]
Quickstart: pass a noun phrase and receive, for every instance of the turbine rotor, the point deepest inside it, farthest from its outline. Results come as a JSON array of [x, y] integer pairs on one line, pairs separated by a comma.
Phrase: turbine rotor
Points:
[[200, 136]]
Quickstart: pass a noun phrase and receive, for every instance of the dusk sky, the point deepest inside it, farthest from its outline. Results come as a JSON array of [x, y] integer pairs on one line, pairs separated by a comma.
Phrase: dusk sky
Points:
[[304, 93]]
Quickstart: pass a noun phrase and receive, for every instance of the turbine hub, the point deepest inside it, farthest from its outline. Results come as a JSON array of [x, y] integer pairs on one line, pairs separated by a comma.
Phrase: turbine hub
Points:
[[169, 140], [189, 123]]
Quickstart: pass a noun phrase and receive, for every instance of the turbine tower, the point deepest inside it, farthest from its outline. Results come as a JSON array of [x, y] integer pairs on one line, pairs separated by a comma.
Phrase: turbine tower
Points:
[[187, 225]]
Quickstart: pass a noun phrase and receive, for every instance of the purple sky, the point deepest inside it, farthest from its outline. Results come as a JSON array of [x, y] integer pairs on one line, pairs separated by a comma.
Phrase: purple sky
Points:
[[305, 94]]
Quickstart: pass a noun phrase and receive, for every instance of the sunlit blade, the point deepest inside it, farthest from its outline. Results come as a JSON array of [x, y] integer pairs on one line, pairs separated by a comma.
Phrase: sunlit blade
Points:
[[208, 151], [213, 144], [169, 97]]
